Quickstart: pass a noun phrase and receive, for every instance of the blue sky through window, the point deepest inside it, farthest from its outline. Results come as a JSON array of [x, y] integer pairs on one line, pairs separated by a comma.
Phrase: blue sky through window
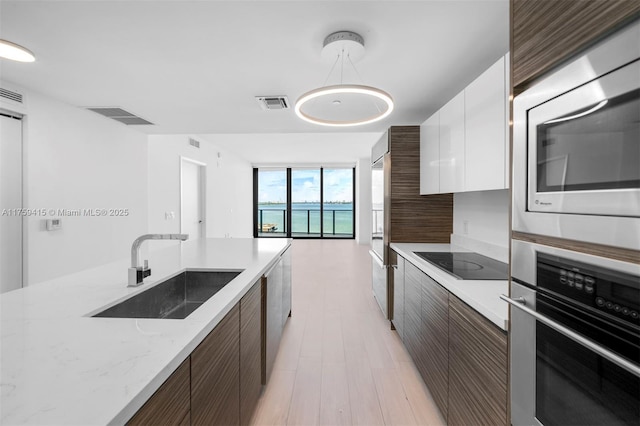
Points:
[[305, 185]]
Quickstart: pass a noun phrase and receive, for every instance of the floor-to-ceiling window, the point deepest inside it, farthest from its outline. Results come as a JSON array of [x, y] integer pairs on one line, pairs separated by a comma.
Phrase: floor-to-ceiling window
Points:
[[337, 202], [271, 198], [304, 202]]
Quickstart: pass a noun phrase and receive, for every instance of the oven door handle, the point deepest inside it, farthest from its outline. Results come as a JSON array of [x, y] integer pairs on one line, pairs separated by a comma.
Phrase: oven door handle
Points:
[[588, 343]]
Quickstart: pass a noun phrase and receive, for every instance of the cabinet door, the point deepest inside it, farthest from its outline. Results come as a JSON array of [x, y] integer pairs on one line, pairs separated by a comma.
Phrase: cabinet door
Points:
[[215, 393], [452, 155], [286, 285], [435, 322], [485, 104], [397, 263], [415, 338], [477, 368], [544, 33], [250, 352], [430, 155], [170, 404], [272, 318]]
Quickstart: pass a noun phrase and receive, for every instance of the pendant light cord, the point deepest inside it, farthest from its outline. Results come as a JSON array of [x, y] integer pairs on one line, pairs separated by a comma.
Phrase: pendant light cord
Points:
[[360, 78]]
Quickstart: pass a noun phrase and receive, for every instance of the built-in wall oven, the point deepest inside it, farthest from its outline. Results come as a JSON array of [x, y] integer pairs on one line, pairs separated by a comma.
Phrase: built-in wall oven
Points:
[[576, 147], [575, 338]]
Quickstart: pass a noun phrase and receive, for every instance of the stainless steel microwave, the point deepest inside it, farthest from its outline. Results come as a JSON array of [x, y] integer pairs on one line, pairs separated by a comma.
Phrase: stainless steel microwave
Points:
[[576, 147]]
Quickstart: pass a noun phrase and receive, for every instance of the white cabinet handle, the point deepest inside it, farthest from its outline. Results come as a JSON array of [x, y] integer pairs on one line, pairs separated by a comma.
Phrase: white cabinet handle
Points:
[[376, 259]]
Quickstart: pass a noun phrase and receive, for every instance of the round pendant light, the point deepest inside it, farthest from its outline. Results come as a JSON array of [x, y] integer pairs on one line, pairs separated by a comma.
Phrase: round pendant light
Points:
[[15, 52], [344, 105]]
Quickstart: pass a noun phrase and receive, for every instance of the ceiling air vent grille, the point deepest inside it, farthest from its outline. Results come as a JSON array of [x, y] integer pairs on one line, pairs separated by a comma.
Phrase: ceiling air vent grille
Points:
[[194, 143], [11, 95], [120, 115], [273, 102]]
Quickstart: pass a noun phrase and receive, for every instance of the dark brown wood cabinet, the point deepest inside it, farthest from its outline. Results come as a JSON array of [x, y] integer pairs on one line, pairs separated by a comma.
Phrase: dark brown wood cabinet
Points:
[[413, 218], [426, 331], [413, 333], [215, 384], [461, 356], [544, 33], [435, 325], [397, 264], [477, 368], [169, 405], [250, 352]]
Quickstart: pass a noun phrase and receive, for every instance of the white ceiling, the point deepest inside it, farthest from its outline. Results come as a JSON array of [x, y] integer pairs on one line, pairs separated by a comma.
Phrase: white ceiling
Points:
[[194, 67]]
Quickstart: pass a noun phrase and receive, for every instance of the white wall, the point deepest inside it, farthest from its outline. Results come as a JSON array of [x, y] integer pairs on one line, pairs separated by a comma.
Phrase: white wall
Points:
[[229, 187], [486, 214], [363, 207], [77, 159]]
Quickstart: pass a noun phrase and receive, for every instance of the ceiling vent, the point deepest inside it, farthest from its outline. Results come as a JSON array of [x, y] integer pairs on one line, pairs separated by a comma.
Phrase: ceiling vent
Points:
[[273, 102], [11, 95], [194, 143], [120, 115]]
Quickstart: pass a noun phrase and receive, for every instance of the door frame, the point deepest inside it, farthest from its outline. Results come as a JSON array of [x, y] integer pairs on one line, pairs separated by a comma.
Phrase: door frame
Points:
[[203, 194], [22, 117]]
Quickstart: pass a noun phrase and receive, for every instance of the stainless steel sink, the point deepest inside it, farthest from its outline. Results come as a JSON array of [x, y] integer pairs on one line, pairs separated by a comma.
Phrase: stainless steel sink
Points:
[[175, 298]]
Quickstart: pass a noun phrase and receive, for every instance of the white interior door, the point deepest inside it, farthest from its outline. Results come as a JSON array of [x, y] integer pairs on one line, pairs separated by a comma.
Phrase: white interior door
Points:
[[10, 203], [192, 192]]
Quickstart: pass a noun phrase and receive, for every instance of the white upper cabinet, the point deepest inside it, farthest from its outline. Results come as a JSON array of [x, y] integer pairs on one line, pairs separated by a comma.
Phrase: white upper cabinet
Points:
[[485, 102], [430, 155], [452, 145], [472, 129]]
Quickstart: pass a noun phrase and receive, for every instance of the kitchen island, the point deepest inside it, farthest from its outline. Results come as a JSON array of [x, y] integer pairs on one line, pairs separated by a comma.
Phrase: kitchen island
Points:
[[59, 365]]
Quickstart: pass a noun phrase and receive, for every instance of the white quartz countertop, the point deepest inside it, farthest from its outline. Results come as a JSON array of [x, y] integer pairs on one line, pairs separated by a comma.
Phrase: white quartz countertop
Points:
[[481, 295], [60, 366]]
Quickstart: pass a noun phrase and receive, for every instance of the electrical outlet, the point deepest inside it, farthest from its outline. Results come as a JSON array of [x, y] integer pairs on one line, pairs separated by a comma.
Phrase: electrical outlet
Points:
[[169, 215], [465, 227]]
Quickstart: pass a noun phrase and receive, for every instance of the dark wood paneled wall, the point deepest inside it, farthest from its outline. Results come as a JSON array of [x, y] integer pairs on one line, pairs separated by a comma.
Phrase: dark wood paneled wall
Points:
[[215, 386], [414, 218], [170, 404], [250, 352], [477, 368], [547, 32]]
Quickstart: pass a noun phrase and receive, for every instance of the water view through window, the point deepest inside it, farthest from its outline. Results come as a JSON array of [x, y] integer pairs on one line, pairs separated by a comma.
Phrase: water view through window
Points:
[[319, 201]]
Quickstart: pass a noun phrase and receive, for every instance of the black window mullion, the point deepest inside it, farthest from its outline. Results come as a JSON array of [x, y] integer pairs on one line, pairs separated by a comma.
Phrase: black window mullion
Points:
[[255, 202], [353, 203], [289, 197], [321, 202]]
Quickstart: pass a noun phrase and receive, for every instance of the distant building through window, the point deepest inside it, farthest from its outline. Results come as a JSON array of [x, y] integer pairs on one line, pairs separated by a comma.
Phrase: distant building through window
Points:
[[304, 202]]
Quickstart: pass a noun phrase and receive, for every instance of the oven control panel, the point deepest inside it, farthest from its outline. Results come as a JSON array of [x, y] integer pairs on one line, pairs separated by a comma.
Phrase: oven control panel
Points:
[[608, 291]]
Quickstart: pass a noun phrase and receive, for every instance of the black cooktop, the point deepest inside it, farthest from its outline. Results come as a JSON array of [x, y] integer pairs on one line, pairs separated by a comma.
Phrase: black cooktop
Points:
[[466, 266]]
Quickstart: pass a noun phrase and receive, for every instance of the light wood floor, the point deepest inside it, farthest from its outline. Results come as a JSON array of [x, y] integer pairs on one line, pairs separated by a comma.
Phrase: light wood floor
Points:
[[339, 363]]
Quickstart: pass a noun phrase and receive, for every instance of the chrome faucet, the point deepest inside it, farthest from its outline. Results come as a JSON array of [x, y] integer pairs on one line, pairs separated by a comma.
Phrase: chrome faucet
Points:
[[138, 273]]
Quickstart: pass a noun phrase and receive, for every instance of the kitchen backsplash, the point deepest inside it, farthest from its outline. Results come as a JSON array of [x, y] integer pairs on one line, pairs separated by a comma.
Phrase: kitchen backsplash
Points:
[[481, 222]]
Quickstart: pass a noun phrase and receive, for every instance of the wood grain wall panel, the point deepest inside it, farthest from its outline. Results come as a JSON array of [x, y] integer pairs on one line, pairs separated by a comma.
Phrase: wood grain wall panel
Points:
[[414, 217], [215, 393], [547, 32], [250, 352], [622, 254], [477, 368], [435, 323], [169, 405]]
